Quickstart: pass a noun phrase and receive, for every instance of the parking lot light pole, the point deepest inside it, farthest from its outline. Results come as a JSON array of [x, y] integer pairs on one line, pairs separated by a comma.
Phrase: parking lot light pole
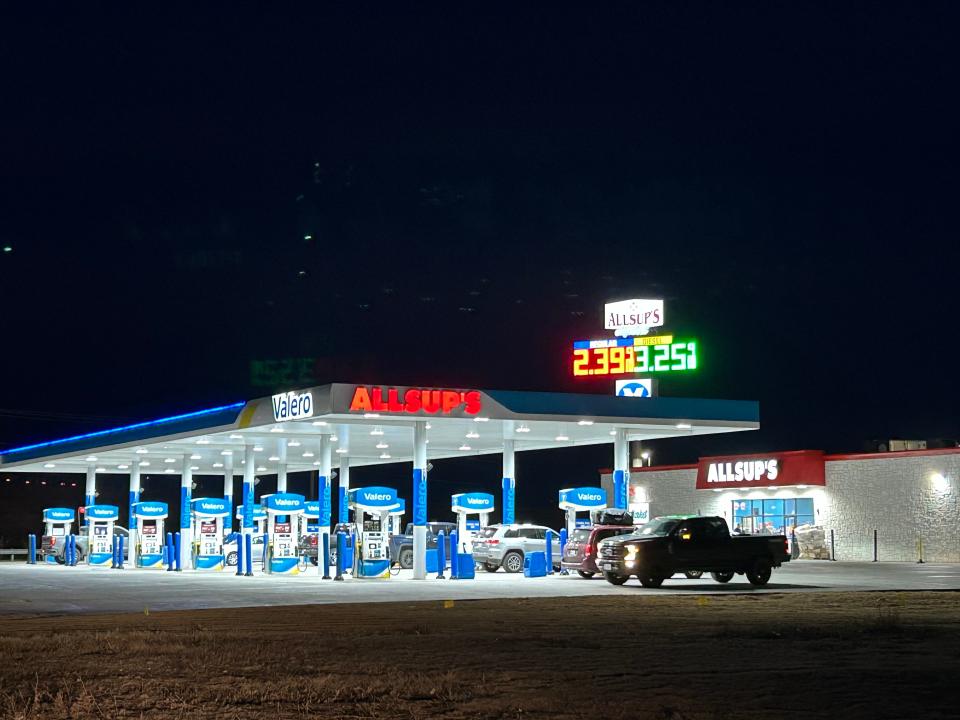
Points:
[[621, 468], [420, 500]]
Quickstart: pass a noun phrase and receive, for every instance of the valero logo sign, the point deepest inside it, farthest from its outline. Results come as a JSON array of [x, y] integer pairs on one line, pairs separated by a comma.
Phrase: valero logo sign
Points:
[[293, 405], [635, 388], [415, 400]]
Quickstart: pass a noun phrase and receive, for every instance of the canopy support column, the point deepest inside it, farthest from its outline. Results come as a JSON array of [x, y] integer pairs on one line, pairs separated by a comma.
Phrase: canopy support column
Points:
[[323, 490], [134, 498], [90, 494], [419, 500], [343, 489], [228, 493], [186, 521], [621, 468], [509, 484]]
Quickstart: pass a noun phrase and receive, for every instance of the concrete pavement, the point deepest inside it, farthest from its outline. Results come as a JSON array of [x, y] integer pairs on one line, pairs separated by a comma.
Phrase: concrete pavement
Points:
[[53, 589]]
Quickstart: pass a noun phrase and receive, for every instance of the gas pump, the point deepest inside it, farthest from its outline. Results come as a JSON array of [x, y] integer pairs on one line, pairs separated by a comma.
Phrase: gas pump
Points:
[[395, 518], [209, 515], [283, 538], [465, 504], [259, 519], [57, 523], [149, 517], [100, 520], [310, 529], [581, 499], [372, 551]]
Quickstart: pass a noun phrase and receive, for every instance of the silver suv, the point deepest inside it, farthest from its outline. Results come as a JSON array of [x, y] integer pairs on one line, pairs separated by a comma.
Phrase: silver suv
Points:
[[506, 546]]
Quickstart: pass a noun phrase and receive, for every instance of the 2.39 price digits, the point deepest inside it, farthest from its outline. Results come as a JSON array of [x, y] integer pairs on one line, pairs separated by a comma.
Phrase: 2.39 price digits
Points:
[[675, 357]]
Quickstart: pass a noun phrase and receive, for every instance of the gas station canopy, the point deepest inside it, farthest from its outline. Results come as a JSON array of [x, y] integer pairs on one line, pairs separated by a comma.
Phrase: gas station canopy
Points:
[[373, 424]]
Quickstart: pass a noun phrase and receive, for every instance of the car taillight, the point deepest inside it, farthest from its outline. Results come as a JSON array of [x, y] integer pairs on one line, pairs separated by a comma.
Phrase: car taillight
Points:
[[493, 542], [313, 539], [587, 550]]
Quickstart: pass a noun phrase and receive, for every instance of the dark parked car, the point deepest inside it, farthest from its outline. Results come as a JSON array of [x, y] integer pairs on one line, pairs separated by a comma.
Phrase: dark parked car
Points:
[[666, 546], [580, 552], [401, 546], [310, 544]]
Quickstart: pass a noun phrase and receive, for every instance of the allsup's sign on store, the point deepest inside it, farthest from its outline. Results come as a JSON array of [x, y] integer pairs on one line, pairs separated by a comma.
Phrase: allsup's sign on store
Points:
[[803, 467]]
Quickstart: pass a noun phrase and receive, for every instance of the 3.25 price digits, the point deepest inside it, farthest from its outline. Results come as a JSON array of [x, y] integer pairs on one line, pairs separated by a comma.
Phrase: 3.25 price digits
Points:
[[622, 360]]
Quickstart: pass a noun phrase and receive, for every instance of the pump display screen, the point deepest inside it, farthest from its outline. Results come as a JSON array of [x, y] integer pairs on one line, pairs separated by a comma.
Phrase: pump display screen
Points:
[[57, 532], [149, 530], [208, 528], [281, 528], [617, 357]]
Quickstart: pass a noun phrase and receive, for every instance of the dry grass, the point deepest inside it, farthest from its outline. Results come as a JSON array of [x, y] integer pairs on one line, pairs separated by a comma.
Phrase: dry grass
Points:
[[669, 658]]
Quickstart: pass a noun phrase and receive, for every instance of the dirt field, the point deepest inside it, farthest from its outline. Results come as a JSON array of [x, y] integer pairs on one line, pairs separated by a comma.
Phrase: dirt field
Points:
[[856, 655]]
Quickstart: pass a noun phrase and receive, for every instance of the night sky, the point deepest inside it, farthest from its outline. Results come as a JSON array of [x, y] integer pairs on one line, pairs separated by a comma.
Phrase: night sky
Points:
[[442, 199]]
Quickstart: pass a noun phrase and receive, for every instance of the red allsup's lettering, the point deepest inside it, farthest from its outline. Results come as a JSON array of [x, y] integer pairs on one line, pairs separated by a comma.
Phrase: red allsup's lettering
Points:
[[414, 400]]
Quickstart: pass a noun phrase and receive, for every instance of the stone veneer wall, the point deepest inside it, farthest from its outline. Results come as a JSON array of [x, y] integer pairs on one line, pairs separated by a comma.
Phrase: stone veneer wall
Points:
[[902, 497]]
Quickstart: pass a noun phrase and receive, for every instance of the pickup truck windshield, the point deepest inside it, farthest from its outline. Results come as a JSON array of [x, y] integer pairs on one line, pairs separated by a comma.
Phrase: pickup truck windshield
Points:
[[657, 528]]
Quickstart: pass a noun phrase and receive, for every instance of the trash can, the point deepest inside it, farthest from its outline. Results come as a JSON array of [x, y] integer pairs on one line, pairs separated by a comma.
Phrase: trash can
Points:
[[535, 564], [465, 569]]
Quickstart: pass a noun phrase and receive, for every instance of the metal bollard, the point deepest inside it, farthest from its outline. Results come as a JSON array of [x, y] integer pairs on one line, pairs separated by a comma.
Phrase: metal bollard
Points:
[[341, 551], [454, 554], [248, 554], [120, 554], [170, 551], [920, 549], [32, 549], [441, 555], [239, 555], [563, 545], [549, 535], [70, 550], [66, 550], [113, 553], [833, 548], [874, 545], [325, 570], [176, 551], [164, 556]]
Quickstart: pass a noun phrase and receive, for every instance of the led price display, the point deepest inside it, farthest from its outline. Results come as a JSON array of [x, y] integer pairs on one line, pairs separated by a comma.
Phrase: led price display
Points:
[[678, 356]]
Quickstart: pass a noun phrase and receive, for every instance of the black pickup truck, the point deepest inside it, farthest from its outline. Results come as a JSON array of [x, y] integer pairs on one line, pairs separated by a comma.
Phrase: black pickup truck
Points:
[[669, 545]]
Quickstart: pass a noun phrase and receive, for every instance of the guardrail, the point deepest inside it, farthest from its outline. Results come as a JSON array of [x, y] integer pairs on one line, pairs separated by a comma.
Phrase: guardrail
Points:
[[10, 554]]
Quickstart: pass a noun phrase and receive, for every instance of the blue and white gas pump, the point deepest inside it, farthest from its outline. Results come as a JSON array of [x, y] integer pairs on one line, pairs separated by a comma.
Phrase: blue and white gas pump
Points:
[[209, 516], [57, 525], [283, 538], [259, 519], [464, 505], [395, 519], [100, 521], [310, 518], [148, 516], [372, 551], [581, 499]]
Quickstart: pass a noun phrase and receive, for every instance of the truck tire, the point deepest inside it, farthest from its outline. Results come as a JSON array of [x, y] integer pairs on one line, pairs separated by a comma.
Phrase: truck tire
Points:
[[694, 574], [615, 579], [513, 562], [405, 558], [490, 567], [650, 580], [759, 574], [722, 577], [585, 575]]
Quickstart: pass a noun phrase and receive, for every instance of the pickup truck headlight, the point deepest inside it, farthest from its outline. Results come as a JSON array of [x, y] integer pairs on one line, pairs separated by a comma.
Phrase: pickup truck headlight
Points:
[[632, 551]]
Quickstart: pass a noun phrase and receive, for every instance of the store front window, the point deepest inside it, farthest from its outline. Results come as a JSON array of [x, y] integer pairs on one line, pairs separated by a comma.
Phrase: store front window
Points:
[[777, 516]]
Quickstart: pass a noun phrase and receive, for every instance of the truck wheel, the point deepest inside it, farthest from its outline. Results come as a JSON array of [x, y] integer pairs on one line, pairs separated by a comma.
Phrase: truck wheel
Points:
[[232, 558], [513, 562], [759, 574], [722, 577], [650, 580], [585, 575], [490, 567], [615, 579], [406, 558], [694, 574]]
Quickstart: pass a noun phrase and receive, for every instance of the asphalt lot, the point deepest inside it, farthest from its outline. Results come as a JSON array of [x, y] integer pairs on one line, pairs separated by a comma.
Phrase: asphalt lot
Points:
[[51, 589]]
